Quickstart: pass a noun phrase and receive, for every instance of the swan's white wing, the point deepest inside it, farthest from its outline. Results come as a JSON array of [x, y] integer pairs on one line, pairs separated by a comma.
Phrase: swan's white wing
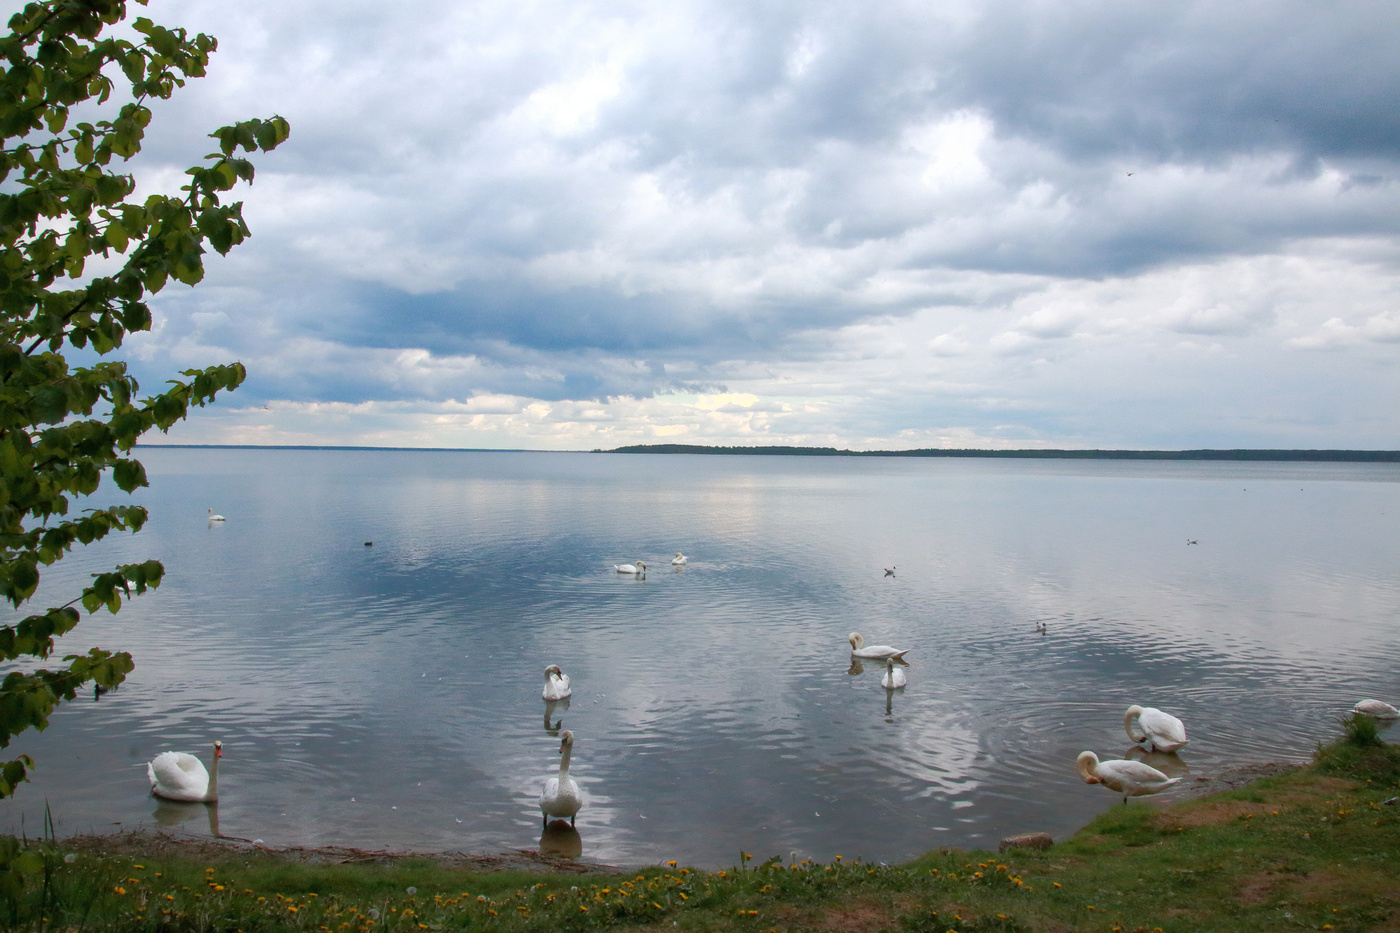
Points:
[[1164, 731], [1132, 777], [178, 774], [893, 680], [1378, 708], [880, 652], [557, 687], [549, 794], [561, 801]]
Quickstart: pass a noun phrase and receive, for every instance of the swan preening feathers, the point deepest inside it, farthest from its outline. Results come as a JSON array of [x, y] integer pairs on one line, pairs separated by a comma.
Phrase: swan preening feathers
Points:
[[1129, 778], [181, 776], [638, 568], [1159, 731], [877, 652], [1376, 708], [556, 683], [894, 677], [561, 796], [680, 559]]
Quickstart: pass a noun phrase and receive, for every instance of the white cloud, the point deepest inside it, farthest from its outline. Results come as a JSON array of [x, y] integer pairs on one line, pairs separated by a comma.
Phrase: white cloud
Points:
[[982, 221]]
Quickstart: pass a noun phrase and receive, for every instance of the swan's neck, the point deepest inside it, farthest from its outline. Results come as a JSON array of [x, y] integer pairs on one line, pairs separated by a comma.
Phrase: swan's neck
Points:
[[1088, 767], [213, 792], [564, 764], [1129, 721]]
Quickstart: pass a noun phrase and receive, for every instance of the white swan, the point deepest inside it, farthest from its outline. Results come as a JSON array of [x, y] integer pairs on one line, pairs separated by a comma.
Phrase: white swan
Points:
[[894, 676], [556, 683], [1159, 731], [181, 776], [638, 568], [1376, 708], [680, 559], [561, 796], [878, 652], [215, 518], [1129, 778]]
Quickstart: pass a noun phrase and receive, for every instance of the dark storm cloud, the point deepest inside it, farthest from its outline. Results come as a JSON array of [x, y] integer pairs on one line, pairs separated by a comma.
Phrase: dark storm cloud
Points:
[[1192, 81]]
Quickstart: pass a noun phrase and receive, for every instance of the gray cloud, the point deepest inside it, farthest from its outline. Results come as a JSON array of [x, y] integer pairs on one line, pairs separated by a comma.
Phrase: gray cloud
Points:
[[574, 203]]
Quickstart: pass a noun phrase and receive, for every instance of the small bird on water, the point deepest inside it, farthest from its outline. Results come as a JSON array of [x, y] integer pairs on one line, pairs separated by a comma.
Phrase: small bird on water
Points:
[[889, 571]]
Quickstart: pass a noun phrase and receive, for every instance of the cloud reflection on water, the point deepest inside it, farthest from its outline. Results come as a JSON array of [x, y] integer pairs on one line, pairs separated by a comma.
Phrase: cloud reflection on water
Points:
[[380, 696]]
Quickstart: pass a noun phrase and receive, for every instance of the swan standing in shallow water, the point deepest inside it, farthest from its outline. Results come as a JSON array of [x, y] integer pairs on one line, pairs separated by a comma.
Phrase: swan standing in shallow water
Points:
[[1129, 778], [878, 652], [894, 677], [556, 683], [1159, 731], [1376, 708], [561, 796], [181, 776], [638, 568], [215, 518]]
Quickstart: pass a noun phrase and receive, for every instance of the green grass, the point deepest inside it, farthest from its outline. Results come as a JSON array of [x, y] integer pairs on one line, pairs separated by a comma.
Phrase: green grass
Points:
[[1312, 849]]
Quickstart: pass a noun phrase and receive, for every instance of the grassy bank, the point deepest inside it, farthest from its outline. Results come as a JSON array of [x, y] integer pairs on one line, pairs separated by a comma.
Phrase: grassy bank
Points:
[[1315, 848]]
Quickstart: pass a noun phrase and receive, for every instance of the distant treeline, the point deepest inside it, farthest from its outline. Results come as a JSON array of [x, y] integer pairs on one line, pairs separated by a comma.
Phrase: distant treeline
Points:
[[1353, 456]]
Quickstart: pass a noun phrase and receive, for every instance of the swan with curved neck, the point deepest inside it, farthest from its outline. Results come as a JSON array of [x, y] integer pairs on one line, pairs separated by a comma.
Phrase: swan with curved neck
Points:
[[561, 796], [680, 559], [638, 568], [556, 683], [181, 776], [1129, 778], [1159, 731], [1377, 708], [894, 677], [879, 652]]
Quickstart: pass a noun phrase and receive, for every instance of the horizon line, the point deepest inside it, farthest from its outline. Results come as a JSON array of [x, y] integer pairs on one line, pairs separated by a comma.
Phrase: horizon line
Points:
[[1199, 453]]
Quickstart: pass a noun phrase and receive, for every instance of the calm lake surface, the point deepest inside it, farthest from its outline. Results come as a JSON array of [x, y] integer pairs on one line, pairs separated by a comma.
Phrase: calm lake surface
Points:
[[389, 696]]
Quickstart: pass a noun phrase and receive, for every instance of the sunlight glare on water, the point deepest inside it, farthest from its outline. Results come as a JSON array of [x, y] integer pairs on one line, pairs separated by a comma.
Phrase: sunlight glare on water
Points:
[[388, 696]]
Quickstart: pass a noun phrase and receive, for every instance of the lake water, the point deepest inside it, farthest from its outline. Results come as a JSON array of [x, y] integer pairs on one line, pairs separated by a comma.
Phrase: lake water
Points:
[[389, 696]]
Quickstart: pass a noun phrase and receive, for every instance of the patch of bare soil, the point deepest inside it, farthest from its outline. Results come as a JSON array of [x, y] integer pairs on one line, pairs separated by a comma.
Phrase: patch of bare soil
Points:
[[157, 844], [1234, 778], [854, 918]]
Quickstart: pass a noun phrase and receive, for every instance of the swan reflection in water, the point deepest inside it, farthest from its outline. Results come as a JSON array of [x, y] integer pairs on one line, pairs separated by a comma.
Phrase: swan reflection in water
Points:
[[549, 707], [171, 813], [1169, 763], [561, 840], [889, 701]]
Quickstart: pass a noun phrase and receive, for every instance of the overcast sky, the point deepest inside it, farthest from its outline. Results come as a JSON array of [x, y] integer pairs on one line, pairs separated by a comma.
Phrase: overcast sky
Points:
[[570, 225]]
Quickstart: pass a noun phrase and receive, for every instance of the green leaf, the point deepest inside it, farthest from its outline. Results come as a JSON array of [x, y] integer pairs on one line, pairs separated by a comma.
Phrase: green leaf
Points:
[[62, 427]]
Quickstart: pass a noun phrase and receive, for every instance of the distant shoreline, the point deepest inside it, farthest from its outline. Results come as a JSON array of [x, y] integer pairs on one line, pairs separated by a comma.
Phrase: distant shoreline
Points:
[[1343, 456], [1241, 454]]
